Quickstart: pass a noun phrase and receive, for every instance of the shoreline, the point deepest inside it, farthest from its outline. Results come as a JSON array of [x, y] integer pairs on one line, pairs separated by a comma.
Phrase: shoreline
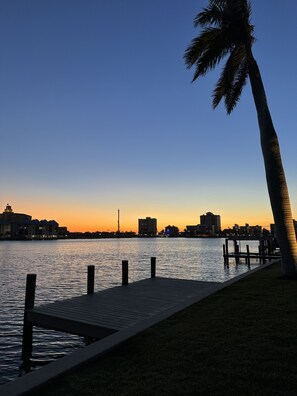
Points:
[[239, 238]]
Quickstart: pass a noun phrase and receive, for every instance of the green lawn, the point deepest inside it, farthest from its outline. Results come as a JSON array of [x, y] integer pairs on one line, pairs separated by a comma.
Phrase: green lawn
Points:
[[239, 341]]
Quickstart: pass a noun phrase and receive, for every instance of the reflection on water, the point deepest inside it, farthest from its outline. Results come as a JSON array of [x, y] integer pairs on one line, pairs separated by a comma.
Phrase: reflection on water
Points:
[[61, 268]]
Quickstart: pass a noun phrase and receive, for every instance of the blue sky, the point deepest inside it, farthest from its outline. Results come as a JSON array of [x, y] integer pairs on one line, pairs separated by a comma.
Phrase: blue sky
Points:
[[98, 113]]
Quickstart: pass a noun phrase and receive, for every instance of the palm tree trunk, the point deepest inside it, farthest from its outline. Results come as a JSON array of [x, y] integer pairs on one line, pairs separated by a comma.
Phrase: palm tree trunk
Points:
[[275, 175]]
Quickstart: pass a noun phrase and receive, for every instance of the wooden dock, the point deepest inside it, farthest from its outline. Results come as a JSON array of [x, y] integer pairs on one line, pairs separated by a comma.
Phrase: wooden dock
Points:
[[105, 312], [266, 251], [100, 314], [30, 382]]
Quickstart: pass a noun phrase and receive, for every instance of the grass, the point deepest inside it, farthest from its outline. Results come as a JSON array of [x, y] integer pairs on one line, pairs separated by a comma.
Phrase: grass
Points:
[[239, 341]]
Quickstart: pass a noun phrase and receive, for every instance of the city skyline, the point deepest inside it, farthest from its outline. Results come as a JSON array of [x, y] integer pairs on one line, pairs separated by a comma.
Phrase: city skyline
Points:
[[98, 113], [132, 224], [204, 220]]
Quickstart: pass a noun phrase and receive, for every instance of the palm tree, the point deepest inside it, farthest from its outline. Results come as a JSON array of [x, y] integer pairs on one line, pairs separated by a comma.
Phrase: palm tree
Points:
[[227, 30]]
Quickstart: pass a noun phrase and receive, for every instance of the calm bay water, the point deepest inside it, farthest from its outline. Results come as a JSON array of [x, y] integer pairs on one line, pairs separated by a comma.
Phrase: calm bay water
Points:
[[61, 268]]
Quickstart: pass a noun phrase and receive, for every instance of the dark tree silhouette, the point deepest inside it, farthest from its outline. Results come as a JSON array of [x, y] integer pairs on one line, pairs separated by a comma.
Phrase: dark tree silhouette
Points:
[[226, 29]]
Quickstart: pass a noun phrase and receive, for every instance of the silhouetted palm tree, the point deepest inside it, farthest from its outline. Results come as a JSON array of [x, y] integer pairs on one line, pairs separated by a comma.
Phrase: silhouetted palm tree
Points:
[[227, 30]]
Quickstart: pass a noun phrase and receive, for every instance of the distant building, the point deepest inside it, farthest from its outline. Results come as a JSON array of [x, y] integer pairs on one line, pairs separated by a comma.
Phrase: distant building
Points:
[[247, 230], [210, 223], [171, 231], [147, 227], [63, 232], [21, 226], [11, 223], [192, 230], [41, 229]]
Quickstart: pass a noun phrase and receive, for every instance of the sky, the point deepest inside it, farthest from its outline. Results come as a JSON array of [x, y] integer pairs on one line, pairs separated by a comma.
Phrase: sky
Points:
[[98, 113]]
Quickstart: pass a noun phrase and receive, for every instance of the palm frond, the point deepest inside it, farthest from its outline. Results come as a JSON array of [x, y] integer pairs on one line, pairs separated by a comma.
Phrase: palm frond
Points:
[[226, 29], [208, 60], [207, 50], [212, 15], [247, 8], [220, 3], [227, 77], [233, 95]]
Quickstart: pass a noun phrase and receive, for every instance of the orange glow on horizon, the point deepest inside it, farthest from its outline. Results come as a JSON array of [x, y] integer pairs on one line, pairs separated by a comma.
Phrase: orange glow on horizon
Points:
[[83, 219], [133, 225]]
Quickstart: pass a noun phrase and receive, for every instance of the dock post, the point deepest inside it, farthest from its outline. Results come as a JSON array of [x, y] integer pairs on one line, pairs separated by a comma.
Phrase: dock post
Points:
[[227, 252], [269, 249], [236, 251], [91, 279], [28, 327], [124, 272], [260, 254], [248, 255], [153, 267], [238, 254], [224, 254]]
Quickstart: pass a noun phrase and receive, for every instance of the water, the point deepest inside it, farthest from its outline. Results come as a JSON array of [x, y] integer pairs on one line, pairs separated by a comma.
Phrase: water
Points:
[[61, 268]]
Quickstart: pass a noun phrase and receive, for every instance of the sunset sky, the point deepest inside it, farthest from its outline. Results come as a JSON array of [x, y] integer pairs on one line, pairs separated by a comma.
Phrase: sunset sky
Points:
[[98, 113]]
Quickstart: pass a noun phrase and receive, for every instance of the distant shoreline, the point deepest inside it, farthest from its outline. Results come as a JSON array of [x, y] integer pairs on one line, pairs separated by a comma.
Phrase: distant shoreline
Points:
[[83, 237]]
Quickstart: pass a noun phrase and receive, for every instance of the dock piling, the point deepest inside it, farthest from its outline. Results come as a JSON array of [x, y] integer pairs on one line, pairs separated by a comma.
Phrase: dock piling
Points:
[[91, 279], [28, 327], [125, 272], [236, 251], [248, 255], [227, 251], [153, 267], [263, 251], [269, 248]]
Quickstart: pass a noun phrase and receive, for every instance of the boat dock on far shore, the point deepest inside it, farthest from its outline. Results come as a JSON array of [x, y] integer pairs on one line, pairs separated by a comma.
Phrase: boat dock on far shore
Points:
[[266, 252]]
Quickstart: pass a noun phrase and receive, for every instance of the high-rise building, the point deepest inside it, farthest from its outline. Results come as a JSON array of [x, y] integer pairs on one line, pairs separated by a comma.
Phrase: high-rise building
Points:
[[147, 226], [210, 222], [11, 223], [21, 226]]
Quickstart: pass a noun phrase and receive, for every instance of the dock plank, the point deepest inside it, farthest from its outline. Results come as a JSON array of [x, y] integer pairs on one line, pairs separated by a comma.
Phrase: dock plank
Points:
[[105, 312]]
